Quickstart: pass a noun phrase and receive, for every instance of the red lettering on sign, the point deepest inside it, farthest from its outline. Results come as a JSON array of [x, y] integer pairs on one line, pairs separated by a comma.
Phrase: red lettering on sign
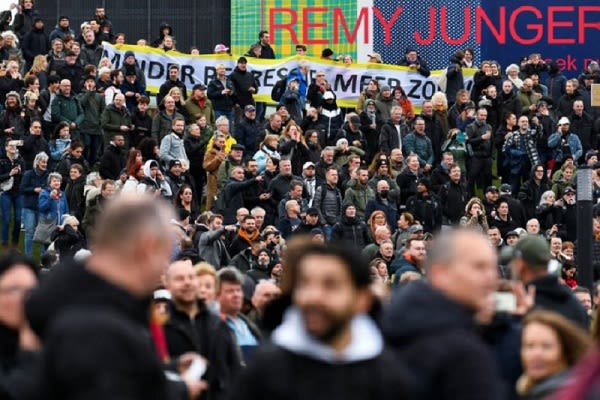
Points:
[[537, 28], [387, 25], [338, 18], [553, 24], [308, 25], [498, 33], [444, 26], [431, 35], [274, 27], [583, 11]]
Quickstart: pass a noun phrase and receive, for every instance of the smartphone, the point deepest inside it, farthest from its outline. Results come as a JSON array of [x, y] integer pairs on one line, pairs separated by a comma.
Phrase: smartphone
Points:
[[505, 302]]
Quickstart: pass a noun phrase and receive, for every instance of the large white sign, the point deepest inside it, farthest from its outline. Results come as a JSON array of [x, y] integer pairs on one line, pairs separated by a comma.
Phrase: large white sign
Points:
[[346, 81]]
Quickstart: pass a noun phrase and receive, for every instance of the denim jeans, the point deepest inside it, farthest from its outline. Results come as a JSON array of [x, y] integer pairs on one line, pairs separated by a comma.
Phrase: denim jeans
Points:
[[30, 220], [11, 202]]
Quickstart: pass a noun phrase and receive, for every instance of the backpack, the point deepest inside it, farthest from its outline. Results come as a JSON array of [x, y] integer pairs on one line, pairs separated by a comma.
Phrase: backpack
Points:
[[279, 89]]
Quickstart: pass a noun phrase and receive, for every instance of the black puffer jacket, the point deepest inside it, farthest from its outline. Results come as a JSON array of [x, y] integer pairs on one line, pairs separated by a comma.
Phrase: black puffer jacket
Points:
[[436, 337], [551, 295], [351, 231]]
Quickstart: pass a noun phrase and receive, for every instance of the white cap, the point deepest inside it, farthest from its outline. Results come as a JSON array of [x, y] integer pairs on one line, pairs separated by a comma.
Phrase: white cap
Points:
[[564, 121], [308, 164], [161, 294]]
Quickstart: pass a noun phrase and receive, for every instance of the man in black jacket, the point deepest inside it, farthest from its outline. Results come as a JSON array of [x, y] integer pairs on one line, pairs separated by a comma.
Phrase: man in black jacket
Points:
[[453, 196], [99, 308], [327, 345], [170, 83], [114, 159], [529, 263], [193, 328], [443, 348]]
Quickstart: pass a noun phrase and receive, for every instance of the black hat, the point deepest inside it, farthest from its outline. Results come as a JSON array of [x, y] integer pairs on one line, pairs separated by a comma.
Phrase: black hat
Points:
[[355, 119], [425, 182], [199, 86], [381, 162], [327, 52], [491, 189], [512, 233], [173, 163], [312, 211], [505, 188], [569, 189], [238, 146], [316, 231]]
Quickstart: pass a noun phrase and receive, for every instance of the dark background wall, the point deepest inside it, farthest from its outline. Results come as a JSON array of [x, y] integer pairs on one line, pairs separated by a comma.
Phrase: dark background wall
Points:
[[200, 23]]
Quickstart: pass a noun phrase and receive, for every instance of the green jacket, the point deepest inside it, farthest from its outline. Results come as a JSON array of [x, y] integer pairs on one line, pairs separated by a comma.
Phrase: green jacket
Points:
[[113, 119], [359, 196], [194, 109], [66, 109], [162, 123], [92, 104]]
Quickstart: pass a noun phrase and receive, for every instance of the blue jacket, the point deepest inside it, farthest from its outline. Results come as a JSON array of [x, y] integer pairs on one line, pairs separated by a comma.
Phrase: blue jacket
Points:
[[51, 208], [554, 142], [32, 179]]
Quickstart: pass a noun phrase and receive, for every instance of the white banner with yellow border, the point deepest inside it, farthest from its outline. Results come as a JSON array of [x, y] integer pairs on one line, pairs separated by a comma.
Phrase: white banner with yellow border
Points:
[[347, 81]]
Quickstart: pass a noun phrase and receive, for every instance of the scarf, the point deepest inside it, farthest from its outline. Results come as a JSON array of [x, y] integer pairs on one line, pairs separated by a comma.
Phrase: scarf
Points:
[[249, 237], [202, 102]]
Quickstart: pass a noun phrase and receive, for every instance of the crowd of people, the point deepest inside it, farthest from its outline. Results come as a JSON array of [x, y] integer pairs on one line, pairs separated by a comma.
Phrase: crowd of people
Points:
[[271, 242]]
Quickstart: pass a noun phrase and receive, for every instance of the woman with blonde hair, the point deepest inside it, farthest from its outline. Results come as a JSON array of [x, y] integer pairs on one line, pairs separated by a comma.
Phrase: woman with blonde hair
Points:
[[176, 94], [550, 346], [475, 215], [208, 285], [39, 69], [377, 219], [266, 149]]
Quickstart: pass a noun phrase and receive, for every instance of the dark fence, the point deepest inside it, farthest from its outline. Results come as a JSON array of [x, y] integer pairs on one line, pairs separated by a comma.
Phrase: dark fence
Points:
[[200, 23]]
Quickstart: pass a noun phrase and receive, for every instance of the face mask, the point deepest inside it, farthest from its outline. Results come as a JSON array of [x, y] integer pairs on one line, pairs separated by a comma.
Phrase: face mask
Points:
[[384, 194]]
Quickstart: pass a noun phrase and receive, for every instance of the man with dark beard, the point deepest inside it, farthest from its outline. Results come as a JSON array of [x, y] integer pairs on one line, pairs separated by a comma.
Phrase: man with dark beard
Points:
[[320, 336]]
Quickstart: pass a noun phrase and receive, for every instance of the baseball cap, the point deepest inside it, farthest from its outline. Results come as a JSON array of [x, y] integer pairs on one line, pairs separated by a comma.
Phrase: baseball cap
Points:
[[564, 121], [173, 163], [316, 231], [308, 164], [415, 228], [221, 47], [238, 146], [505, 188], [491, 189], [533, 249], [355, 119], [512, 233], [249, 108], [199, 86], [569, 189]]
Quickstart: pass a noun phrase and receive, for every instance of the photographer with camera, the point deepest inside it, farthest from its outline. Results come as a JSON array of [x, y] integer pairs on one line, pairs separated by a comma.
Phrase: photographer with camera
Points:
[[12, 167], [564, 143]]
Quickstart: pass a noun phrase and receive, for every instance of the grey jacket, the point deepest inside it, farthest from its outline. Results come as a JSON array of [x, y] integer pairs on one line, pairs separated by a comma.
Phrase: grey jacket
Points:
[[211, 248]]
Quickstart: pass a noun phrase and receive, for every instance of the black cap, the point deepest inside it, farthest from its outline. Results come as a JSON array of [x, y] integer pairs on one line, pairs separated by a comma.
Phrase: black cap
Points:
[[312, 211], [381, 162], [238, 146], [173, 163], [199, 86], [491, 189], [316, 231], [505, 188], [569, 189], [327, 52], [355, 119]]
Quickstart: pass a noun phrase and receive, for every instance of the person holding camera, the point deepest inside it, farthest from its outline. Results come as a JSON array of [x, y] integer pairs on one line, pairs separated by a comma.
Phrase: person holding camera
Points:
[[12, 167], [564, 143]]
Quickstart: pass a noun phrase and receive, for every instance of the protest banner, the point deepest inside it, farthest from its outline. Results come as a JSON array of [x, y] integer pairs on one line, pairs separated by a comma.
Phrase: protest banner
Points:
[[346, 81]]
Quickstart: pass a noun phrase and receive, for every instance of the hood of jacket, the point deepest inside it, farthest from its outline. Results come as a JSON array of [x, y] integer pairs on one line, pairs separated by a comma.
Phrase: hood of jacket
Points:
[[71, 284], [418, 309], [366, 343]]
